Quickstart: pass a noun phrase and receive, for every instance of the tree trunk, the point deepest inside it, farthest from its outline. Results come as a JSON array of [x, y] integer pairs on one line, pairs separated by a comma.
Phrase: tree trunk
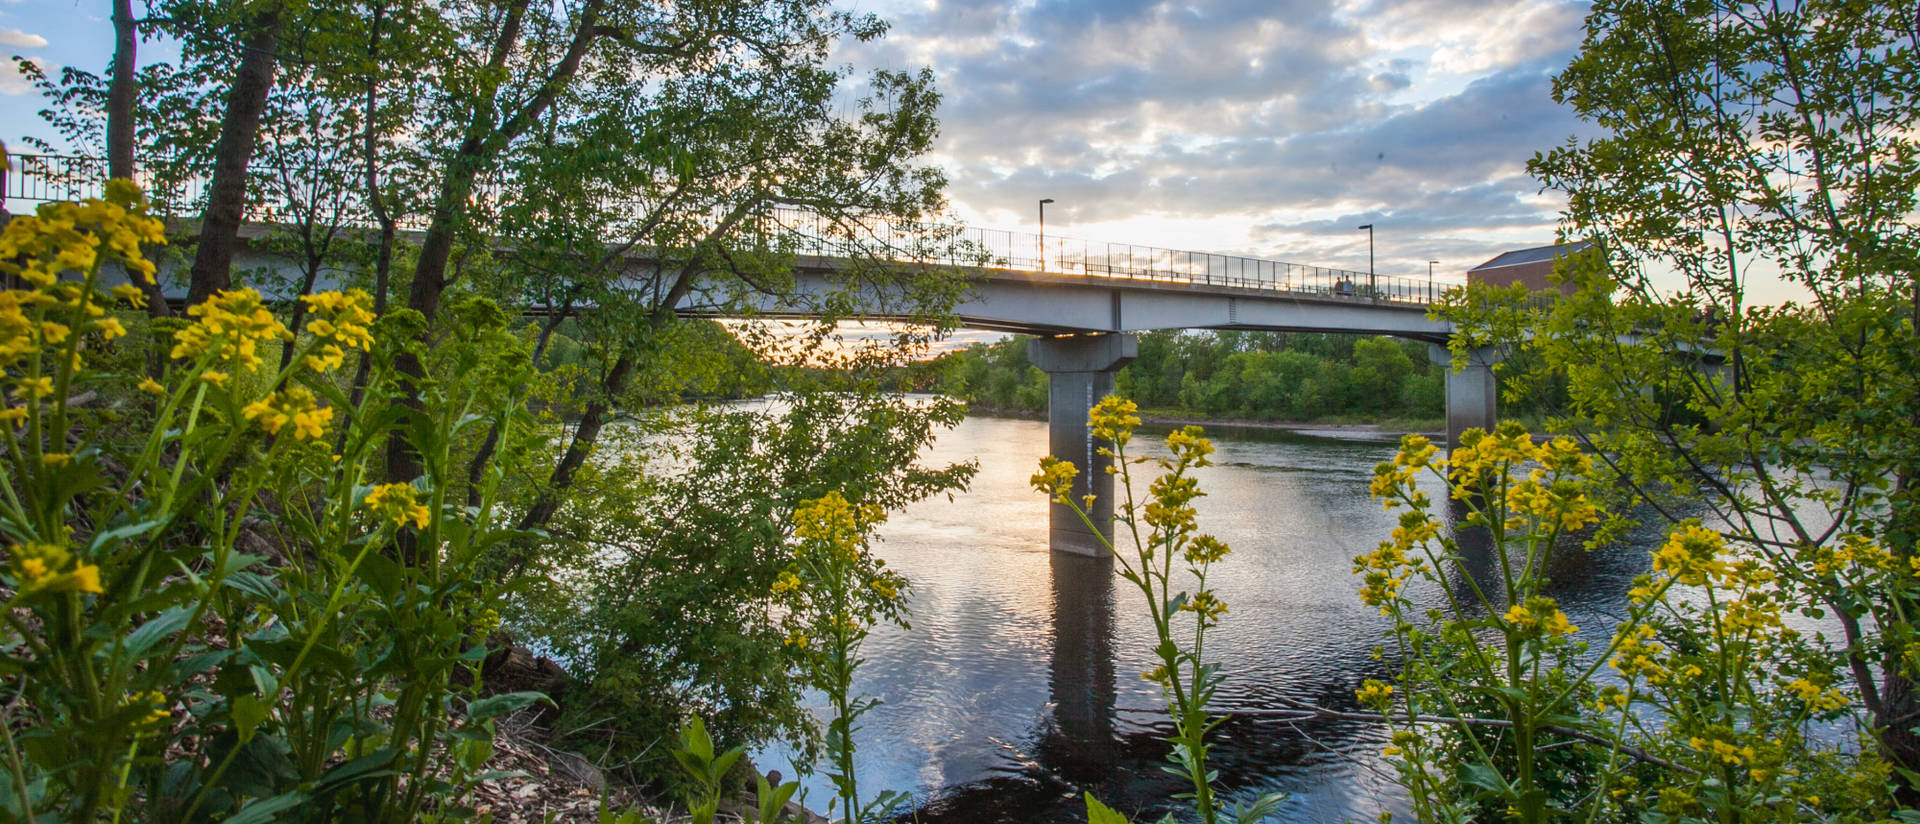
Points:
[[121, 86], [584, 437], [483, 143], [126, 42], [239, 130]]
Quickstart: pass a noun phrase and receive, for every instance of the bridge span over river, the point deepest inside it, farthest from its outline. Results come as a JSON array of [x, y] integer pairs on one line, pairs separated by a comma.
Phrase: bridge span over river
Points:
[[1082, 300], [1084, 323]]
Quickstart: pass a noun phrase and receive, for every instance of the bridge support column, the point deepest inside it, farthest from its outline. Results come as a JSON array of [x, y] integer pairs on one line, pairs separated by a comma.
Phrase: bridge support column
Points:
[[1473, 396], [1079, 373]]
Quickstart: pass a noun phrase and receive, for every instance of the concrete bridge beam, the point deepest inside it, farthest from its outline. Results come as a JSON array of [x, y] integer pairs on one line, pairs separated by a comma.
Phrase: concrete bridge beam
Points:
[[1080, 372], [1473, 395]]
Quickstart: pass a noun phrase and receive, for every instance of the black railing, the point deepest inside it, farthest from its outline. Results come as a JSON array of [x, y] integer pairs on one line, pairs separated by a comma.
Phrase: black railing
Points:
[[37, 178]]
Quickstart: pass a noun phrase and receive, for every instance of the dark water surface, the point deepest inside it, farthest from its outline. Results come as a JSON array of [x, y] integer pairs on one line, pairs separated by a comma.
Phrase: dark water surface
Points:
[[1018, 686]]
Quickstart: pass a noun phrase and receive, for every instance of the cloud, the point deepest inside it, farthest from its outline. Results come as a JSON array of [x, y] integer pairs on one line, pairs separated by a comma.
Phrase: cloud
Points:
[[1289, 121], [15, 38]]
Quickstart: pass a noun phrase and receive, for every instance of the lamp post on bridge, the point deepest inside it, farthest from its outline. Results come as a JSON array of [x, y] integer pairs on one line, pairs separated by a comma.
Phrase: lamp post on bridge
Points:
[[1373, 291], [1430, 264], [1043, 232]]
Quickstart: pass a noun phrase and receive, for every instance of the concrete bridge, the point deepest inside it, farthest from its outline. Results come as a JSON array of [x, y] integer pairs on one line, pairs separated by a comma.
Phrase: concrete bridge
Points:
[[1083, 301]]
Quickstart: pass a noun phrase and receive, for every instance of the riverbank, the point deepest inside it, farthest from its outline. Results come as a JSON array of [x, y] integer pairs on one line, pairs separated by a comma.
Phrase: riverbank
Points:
[[1384, 430]]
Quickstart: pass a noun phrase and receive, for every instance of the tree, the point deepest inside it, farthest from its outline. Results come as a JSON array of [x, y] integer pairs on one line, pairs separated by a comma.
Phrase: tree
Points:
[[1742, 140], [246, 104], [611, 163]]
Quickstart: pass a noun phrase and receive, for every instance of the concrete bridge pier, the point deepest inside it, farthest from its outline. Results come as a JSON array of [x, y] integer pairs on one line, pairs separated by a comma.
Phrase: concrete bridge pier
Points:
[[1473, 396], [1079, 373]]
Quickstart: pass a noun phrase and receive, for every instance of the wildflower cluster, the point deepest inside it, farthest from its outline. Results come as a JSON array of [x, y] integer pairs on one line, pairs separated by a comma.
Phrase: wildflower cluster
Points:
[[1164, 527], [57, 253], [122, 585], [341, 321], [399, 503], [68, 237], [833, 593], [1709, 674], [47, 568], [1520, 498], [293, 405], [230, 328]]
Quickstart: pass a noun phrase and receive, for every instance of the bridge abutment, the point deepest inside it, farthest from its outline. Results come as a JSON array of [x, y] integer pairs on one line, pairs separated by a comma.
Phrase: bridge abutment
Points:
[[1080, 371], [1473, 395]]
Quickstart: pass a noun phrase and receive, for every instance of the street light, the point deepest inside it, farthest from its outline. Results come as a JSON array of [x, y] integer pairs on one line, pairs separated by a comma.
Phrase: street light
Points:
[[1043, 232], [1430, 264], [1372, 288]]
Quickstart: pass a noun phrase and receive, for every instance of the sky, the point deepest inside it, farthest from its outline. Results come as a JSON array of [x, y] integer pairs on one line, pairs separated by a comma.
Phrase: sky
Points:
[[1269, 128]]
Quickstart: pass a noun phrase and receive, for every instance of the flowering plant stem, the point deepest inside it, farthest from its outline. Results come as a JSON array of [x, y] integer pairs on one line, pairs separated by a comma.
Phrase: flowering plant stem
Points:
[[1163, 527]]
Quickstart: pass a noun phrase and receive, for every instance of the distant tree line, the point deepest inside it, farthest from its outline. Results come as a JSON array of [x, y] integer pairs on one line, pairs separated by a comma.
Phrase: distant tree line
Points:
[[1227, 374]]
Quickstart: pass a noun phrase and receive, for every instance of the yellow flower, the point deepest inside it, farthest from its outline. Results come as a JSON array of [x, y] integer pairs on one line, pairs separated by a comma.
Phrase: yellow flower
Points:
[[1113, 420], [38, 569], [33, 388], [153, 386], [1691, 554], [1206, 549], [229, 331], [1187, 445], [131, 294], [399, 502], [787, 582], [86, 578], [831, 520], [1055, 478], [1415, 452], [109, 328], [341, 321], [214, 377], [1158, 675], [1375, 694], [155, 704], [1206, 608], [55, 459]]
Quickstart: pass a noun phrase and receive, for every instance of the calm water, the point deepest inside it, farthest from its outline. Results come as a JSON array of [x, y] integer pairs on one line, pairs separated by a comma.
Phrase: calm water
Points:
[[1018, 686]]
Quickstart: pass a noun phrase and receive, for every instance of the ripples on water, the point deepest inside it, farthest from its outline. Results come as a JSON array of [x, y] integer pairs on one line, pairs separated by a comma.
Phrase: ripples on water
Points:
[[1018, 686]]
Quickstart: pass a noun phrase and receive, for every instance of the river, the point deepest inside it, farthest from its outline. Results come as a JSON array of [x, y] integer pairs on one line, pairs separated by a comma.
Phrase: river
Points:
[[1017, 687]]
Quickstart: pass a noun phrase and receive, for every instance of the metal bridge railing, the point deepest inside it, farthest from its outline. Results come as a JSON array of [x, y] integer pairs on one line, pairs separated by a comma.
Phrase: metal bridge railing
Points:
[[180, 189]]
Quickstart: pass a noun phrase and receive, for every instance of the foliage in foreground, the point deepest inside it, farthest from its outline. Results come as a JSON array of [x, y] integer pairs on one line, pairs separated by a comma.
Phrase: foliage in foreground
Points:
[[1165, 535], [1700, 705], [207, 617], [1742, 142]]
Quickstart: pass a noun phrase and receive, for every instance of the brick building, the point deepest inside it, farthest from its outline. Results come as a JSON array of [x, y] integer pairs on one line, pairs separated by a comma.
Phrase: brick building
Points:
[[1528, 266]]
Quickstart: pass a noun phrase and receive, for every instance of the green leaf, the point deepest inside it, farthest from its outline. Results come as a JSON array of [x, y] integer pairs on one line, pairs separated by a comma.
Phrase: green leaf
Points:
[[493, 706], [367, 766], [1098, 813], [255, 584], [382, 573], [248, 712], [104, 540], [267, 809], [156, 630], [1484, 777]]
